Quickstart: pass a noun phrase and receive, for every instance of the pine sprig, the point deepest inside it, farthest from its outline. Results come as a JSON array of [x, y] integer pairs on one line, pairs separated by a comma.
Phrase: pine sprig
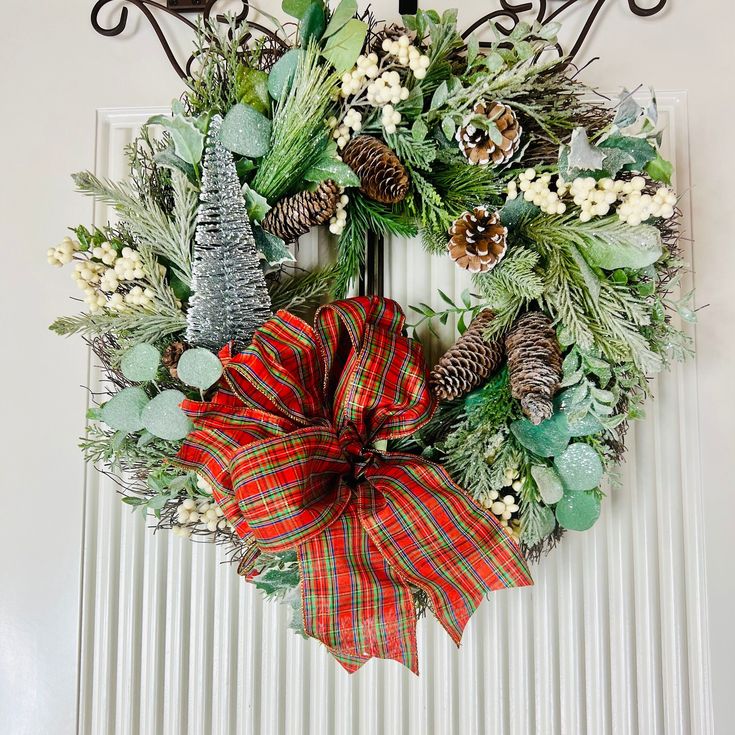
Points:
[[302, 291], [169, 238]]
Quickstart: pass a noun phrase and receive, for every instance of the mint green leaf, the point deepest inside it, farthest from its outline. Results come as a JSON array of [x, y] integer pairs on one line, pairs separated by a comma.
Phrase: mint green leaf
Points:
[[123, 411], [271, 248], [343, 48], [342, 13], [578, 511], [256, 204], [295, 8], [439, 97], [628, 110], [623, 247], [419, 130], [582, 154], [448, 127], [140, 362], [548, 439], [164, 418], [331, 167], [494, 61], [473, 48], [167, 158], [246, 131], [659, 169], [188, 140], [199, 368], [548, 483], [252, 89], [579, 468], [282, 74]]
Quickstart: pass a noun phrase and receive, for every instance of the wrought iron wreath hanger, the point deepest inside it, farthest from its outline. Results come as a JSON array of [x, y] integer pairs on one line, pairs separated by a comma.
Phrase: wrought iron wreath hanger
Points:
[[505, 19]]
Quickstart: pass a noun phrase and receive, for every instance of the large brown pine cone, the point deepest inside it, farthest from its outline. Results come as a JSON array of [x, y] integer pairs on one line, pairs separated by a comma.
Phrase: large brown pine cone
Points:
[[295, 215], [534, 364], [468, 363], [383, 177], [478, 240], [477, 145]]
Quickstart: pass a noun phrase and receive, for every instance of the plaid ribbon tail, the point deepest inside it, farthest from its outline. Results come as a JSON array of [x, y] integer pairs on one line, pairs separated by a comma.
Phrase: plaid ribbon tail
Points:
[[352, 600], [436, 537]]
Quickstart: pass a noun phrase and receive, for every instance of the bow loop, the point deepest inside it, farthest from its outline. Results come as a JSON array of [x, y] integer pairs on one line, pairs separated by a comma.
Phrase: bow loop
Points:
[[291, 451]]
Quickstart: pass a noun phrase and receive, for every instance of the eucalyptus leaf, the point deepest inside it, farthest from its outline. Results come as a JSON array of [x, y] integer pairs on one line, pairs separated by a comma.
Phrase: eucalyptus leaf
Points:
[[579, 468], [342, 13], [343, 48], [548, 439], [140, 362], [246, 131], [123, 411], [578, 511], [164, 418], [548, 483], [282, 74], [199, 368]]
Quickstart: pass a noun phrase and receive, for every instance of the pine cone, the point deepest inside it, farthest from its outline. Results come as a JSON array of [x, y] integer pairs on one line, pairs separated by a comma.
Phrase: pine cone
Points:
[[534, 364], [383, 177], [171, 356], [295, 215], [468, 363], [476, 144], [478, 240]]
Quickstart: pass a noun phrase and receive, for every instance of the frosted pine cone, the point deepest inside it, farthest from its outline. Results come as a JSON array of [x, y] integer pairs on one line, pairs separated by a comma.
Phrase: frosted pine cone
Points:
[[477, 145], [478, 240]]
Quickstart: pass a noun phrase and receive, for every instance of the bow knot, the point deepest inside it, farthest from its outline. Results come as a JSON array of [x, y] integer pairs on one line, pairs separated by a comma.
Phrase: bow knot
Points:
[[290, 447]]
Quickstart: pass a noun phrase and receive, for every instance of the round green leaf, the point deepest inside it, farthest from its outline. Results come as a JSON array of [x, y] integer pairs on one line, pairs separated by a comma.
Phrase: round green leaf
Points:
[[199, 368], [123, 411], [140, 362], [578, 511], [579, 467], [164, 418], [246, 131], [547, 439], [283, 72]]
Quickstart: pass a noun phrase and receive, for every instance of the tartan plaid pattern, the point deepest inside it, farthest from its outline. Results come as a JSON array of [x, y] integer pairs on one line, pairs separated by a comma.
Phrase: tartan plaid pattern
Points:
[[287, 442]]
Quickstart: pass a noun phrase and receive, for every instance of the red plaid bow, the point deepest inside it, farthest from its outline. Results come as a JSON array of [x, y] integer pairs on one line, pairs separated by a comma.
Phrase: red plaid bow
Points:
[[290, 451]]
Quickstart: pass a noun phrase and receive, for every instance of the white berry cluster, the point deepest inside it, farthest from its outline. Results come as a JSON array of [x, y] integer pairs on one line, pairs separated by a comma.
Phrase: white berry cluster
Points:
[[339, 219], [129, 266], [407, 55], [63, 253], [87, 275], [636, 207], [390, 118], [595, 198], [387, 89], [503, 507], [366, 68], [191, 513], [106, 253], [342, 132], [538, 191]]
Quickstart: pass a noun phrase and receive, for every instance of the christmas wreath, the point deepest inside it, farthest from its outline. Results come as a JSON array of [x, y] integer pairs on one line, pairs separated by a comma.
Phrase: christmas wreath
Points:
[[345, 477]]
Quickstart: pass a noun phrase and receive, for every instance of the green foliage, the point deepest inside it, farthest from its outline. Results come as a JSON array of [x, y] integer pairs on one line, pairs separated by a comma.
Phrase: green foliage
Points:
[[300, 292], [299, 134], [169, 238]]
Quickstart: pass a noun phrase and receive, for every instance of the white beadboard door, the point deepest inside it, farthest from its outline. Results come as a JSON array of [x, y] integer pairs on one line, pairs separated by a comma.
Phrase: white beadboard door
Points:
[[107, 628]]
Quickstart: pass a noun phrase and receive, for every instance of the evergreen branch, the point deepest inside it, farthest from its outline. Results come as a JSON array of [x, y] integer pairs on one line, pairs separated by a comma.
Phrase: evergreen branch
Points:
[[302, 291], [146, 221], [351, 251]]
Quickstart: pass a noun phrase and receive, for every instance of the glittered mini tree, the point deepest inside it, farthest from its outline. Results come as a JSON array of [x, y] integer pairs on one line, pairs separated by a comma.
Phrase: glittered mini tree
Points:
[[230, 298]]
